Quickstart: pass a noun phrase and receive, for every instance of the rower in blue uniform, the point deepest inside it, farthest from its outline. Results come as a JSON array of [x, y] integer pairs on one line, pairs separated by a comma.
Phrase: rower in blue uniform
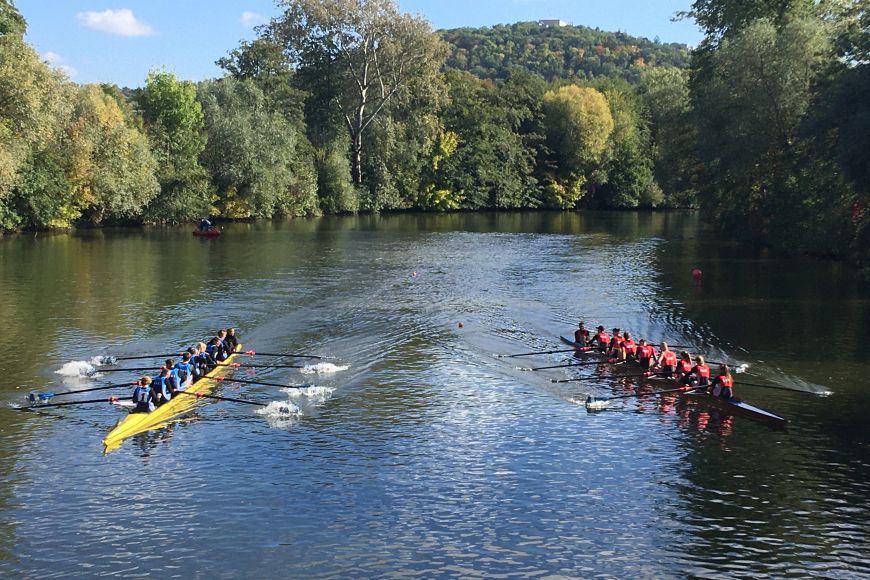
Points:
[[142, 396]]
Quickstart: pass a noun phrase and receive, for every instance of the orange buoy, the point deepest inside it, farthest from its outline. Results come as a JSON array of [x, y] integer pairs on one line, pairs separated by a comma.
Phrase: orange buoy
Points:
[[697, 275]]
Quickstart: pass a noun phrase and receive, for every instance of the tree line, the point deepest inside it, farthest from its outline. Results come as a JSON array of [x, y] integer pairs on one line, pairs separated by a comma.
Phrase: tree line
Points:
[[345, 106]]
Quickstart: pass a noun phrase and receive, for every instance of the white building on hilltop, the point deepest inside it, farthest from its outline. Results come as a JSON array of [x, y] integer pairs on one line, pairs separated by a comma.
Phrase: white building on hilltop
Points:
[[552, 23]]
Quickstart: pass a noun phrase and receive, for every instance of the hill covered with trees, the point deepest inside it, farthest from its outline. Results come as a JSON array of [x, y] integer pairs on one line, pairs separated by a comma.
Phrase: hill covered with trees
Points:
[[558, 52]]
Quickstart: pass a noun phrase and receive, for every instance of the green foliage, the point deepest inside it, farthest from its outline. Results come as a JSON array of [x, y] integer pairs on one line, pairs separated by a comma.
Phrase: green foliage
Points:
[[175, 126], [490, 164], [578, 123], [12, 23], [334, 187], [665, 95], [257, 160], [630, 182], [569, 52], [366, 53]]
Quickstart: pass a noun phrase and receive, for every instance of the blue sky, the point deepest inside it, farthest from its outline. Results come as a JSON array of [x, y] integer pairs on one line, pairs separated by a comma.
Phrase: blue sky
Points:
[[119, 41]]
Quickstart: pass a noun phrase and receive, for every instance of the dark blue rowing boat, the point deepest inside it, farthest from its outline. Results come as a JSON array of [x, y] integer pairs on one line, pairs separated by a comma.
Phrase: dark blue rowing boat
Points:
[[729, 406]]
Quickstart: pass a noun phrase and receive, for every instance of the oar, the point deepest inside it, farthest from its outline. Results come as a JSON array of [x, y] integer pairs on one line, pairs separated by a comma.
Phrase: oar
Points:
[[247, 366], [124, 370], [594, 378], [260, 383], [583, 364], [596, 403], [112, 400], [46, 396], [287, 354], [110, 360], [580, 348], [219, 398]]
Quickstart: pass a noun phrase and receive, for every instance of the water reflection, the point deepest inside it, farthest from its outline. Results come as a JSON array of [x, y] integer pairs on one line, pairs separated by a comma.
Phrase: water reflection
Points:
[[429, 455]]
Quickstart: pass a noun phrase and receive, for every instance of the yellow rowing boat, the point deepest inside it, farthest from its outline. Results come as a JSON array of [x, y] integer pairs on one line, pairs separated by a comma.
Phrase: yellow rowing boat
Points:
[[136, 423]]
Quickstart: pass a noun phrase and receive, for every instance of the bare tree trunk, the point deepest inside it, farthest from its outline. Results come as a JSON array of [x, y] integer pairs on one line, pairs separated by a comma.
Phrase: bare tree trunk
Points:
[[356, 170]]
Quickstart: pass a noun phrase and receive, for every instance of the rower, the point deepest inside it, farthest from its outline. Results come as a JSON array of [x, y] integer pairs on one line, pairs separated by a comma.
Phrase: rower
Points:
[[204, 225], [231, 341], [667, 361], [616, 354], [630, 347], [215, 350], [142, 396], [602, 339], [684, 368], [646, 354], [723, 385], [160, 391], [185, 371], [700, 372], [581, 335], [202, 360]]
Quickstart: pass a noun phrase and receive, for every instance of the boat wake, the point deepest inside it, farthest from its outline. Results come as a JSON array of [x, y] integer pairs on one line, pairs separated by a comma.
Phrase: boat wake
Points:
[[323, 368]]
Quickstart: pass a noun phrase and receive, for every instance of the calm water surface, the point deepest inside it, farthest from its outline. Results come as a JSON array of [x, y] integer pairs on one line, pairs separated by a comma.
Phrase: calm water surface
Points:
[[429, 456]]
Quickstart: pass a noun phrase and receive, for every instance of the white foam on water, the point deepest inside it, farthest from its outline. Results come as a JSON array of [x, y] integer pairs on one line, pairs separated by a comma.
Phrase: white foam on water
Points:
[[323, 368], [77, 368], [312, 395], [281, 414]]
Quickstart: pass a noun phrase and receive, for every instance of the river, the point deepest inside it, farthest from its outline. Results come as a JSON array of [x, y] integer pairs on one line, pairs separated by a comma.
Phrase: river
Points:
[[428, 455]]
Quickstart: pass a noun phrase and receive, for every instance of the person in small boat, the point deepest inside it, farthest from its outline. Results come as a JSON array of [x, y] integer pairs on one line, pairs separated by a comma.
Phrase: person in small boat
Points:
[[700, 375], [204, 225], [646, 354], [231, 340], [630, 347], [142, 396], [601, 340], [723, 385], [666, 362], [581, 335]]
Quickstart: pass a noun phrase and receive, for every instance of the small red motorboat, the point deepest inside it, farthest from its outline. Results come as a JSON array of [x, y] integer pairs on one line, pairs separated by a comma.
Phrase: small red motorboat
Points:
[[212, 233]]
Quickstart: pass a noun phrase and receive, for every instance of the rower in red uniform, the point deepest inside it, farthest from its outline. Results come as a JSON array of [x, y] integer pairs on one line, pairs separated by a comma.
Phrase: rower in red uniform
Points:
[[700, 372], [616, 353], [684, 368], [646, 354], [581, 335], [723, 385], [601, 339], [630, 347], [667, 361]]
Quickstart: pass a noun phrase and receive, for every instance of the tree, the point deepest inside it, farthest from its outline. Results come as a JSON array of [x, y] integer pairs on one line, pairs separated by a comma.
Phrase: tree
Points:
[[629, 166], [665, 94], [367, 52], [110, 164], [12, 23], [174, 123], [578, 122], [264, 62], [260, 163], [34, 99]]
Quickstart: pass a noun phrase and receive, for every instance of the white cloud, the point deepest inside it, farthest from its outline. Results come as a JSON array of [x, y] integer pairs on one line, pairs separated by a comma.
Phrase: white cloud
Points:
[[55, 60], [118, 22], [252, 18]]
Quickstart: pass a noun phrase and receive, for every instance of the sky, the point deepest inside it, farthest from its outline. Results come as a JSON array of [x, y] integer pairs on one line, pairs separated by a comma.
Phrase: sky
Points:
[[119, 41]]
